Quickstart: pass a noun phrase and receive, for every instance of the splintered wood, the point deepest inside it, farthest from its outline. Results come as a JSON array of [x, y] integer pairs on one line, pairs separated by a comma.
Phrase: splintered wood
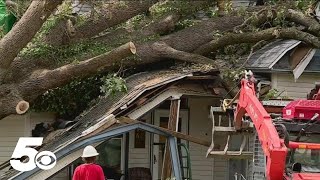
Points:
[[172, 125]]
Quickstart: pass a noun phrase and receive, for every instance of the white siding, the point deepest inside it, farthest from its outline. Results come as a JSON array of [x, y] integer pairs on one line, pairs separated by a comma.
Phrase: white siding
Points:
[[11, 128], [200, 126], [299, 89], [15, 126], [202, 168], [139, 157]]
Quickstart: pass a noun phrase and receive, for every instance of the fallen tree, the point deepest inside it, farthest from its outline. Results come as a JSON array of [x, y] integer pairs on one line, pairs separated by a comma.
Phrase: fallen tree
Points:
[[131, 35]]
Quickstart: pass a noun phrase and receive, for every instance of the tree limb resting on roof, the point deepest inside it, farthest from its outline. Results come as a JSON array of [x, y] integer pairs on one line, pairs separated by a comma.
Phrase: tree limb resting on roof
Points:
[[253, 37]]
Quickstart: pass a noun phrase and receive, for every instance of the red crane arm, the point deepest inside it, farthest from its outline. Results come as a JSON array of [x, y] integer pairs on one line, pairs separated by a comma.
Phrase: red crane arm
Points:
[[272, 145], [301, 145]]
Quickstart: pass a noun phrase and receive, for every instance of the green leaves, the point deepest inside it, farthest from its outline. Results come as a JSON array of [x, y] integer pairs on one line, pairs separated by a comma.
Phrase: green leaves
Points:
[[271, 94], [280, 19], [65, 54], [72, 99], [184, 24], [304, 5], [112, 85]]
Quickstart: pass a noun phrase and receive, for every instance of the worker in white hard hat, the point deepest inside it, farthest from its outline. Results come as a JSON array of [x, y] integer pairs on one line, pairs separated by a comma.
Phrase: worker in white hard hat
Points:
[[89, 170]]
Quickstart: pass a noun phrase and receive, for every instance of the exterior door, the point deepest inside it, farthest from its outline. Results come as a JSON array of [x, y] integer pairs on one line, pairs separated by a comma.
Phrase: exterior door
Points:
[[161, 118]]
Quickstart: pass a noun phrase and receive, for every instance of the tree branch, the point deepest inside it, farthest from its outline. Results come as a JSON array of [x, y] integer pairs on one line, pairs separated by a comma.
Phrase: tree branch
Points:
[[11, 4], [255, 20], [151, 28], [291, 15], [310, 23], [109, 16], [48, 79], [25, 29], [253, 37], [30, 86], [11, 101], [154, 28], [166, 51]]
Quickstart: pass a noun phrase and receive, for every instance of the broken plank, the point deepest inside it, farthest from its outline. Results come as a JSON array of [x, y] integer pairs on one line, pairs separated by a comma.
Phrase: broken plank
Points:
[[172, 125], [173, 133]]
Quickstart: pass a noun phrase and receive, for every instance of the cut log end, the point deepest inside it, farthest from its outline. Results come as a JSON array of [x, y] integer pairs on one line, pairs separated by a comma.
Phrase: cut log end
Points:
[[22, 107], [133, 48]]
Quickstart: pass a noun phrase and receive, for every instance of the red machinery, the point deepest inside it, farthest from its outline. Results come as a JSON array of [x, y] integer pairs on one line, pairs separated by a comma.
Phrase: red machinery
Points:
[[303, 109], [274, 148]]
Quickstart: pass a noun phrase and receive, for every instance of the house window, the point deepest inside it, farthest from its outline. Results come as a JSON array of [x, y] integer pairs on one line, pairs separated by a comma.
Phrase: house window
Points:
[[140, 137]]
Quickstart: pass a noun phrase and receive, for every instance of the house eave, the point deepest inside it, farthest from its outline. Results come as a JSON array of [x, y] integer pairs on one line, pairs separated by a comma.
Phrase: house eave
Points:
[[270, 71]]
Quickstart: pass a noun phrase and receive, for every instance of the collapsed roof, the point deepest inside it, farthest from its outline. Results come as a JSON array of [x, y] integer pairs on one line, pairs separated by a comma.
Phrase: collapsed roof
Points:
[[145, 92]]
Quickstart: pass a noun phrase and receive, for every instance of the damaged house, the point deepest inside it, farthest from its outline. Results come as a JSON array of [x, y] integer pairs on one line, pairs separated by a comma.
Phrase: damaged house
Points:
[[171, 104], [178, 99], [179, 103]]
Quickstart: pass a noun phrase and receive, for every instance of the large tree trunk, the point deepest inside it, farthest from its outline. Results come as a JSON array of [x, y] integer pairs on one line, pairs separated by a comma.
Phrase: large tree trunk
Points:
[[189, 44], [183, 41], [14, 98], [48, 79], [187, 40], [22, 33], [21, 68]]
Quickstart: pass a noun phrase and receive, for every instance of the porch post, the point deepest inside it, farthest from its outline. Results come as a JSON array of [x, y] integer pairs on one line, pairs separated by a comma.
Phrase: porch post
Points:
[[175, 157], [126, 163], [172, 125]]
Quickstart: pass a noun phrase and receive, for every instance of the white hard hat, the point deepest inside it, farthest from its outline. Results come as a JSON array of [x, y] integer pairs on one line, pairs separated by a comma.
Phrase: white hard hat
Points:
[[89, 151]]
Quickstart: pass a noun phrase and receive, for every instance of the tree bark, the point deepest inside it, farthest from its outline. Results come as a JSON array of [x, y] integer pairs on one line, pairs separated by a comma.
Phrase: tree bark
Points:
[[157, 27], [182, 42], [253, 37], [25, 29], [60, 34], [291, 15], [48, 79], [310, 23], [11, 101], [189, 44], [15, 98], [21, 68], [256, 20], [187, 40], [166, 51], [109, 15]]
